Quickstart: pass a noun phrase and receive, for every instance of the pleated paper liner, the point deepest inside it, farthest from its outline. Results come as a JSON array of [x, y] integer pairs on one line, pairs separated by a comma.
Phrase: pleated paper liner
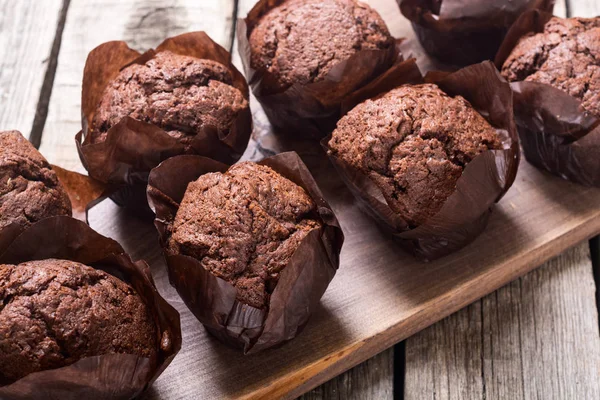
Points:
[[556, 133], [464, 32], [132, 148], [213, 300], [484, 181], [109, 376]]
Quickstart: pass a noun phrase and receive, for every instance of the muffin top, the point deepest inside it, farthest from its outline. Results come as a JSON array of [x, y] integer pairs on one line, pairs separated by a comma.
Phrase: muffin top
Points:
[[565, 55], [55, 312], [414, 143], [243, 226], [180, 94], [29, 189], [301, 40]]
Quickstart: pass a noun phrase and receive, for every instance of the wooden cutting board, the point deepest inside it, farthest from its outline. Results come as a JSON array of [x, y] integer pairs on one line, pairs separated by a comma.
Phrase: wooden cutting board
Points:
[[380, 295]]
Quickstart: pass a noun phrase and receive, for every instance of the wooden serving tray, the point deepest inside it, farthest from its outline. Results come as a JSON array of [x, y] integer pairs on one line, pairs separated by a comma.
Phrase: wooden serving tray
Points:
[[380, 295]]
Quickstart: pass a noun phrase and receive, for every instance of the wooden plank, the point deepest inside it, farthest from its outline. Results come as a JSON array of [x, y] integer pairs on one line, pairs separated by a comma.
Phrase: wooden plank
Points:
[[380, 295], [535, 338], [143, 24], [584, 8], [28, 28], [371, 380]]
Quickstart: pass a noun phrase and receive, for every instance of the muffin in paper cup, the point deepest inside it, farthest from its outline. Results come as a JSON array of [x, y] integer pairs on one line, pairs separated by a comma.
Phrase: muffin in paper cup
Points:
[[310, 110], [121, 140], [464, 32], [214, 300], [557, 133], [464, 213], [104, 376], [32, 189]]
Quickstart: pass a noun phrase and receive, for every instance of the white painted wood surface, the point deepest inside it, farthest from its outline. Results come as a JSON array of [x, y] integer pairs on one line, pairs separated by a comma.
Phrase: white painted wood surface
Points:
[[27, 32]]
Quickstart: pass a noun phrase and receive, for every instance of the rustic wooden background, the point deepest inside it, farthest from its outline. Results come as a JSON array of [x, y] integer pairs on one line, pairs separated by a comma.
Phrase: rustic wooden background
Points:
[[535, 338]]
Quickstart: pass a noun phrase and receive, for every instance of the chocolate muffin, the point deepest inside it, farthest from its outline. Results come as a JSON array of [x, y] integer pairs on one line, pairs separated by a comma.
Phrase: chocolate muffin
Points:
[[414, 143], [566, 55], [300, 41], [56, 312], [180, 94], [29, 189], [243, 226]]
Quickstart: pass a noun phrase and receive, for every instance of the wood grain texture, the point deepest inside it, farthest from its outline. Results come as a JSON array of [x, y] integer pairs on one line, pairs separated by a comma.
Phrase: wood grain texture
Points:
[[584, 8], [28, 28], [371, 380], [143, 24], [536, 338], [380, 295]]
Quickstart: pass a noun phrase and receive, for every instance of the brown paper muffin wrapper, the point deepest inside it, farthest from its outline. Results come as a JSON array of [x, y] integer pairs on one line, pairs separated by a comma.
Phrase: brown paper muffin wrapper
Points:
[[213, 300], [310, 110], [132, 148], [556, 133], [464, 32], [109, 376], [484, 180]]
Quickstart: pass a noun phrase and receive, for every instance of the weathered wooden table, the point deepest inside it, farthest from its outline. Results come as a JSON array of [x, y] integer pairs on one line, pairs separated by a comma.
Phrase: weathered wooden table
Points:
[[538, 337]]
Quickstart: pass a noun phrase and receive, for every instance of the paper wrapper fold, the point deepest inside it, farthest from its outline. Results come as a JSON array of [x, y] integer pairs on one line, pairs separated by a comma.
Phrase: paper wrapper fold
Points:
[[310, 110], [213, 300], [556, 133], [464, 32], [483, 182], [132, 148], [110, 376]]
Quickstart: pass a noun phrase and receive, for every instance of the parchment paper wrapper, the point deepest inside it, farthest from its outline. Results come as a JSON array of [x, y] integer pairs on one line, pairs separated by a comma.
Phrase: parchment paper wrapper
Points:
[[213, 300], [556, 133], [311, 110], [110, 376], [132, 148], [464, 32], [483, 182]]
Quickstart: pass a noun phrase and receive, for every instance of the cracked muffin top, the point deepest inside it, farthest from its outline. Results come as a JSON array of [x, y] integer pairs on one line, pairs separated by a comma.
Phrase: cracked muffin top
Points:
[[243, 226], [565, 55], [300, 41], [56, 312], [180, 94], [414, 143], [29, 189]]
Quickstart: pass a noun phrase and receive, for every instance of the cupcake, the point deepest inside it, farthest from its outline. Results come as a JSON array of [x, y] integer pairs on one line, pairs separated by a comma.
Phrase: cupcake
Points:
[[460, 32], [429, 160], [78, 318], [250, 248], [184, 97], [56, 312], [243, 226], [303, 57], [29, 189], [180, 94], [566, 55], [414, 143], [555, 69]]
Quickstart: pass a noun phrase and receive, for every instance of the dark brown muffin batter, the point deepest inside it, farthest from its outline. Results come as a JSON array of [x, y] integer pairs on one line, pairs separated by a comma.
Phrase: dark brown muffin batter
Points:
[[566, 55], [29, 189], [301, 40], [243, 226], [414, 143], [179, 94], [55, 312]]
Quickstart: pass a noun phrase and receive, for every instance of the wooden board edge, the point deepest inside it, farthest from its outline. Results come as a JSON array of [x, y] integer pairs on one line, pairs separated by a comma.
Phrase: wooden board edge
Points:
[[333, 365]]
